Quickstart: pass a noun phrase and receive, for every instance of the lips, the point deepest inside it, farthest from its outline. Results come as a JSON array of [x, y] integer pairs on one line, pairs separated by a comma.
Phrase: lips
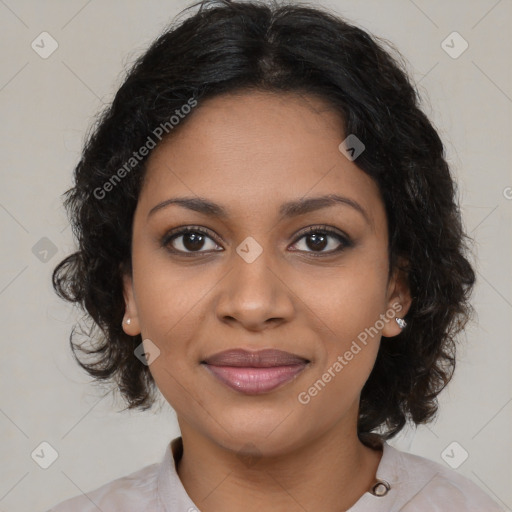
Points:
[[255, 372], [259, 359]]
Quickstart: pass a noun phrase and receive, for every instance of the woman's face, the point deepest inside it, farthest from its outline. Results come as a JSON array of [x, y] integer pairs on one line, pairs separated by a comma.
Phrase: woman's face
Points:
[[254, 166]]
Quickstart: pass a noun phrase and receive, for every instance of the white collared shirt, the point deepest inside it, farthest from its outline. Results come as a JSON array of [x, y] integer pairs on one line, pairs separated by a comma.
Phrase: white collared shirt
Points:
[[416, 484]]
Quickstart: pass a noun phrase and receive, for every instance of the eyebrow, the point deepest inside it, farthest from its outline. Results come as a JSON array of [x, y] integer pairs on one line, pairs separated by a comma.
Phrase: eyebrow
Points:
[[287, 210]]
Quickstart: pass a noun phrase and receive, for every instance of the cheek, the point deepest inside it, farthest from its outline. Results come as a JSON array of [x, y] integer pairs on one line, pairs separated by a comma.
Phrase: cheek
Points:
[[168, 296], [347, 299], [169, 310], [346, 308], [346, 357]]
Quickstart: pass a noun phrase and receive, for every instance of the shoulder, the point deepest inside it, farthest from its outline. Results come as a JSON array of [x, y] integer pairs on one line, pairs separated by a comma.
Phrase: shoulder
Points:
[[423, 484], [134, 492]]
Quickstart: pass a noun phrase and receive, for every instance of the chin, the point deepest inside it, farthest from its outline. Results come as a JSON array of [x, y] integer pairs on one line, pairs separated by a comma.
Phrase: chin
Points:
[[261, 437]]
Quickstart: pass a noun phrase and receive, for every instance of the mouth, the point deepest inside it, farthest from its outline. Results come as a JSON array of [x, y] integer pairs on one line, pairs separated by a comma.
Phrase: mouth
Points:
[[255, 372]]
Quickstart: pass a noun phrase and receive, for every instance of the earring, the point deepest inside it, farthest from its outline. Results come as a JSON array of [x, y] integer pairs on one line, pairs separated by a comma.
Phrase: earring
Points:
[[128, 321], [401, 322]]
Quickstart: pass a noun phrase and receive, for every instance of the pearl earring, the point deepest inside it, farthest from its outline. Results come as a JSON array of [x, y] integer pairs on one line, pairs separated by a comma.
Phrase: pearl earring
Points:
[[128, 321], [401, 322]]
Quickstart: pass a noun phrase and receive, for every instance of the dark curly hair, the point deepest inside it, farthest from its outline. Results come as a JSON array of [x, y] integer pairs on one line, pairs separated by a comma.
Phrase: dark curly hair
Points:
[[232, 46]]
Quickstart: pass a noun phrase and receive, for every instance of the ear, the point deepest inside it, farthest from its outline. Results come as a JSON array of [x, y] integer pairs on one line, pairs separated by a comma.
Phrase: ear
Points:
[[133, 328], [398, 299]]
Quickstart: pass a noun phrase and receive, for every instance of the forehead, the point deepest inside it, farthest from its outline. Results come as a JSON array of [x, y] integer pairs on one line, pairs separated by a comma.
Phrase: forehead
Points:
[[251, 130], [250, 150]]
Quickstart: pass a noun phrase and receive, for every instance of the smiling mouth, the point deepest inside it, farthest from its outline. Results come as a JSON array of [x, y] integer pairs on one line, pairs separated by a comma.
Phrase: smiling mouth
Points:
[[255, 381], [257, 372]]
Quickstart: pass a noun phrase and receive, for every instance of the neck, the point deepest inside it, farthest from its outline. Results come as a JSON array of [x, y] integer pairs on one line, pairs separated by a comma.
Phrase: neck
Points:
[[329, 473]]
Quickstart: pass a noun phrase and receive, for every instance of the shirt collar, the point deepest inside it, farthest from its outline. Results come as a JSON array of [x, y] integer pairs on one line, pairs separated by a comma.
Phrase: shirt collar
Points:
[[173, 495], [171, 492]]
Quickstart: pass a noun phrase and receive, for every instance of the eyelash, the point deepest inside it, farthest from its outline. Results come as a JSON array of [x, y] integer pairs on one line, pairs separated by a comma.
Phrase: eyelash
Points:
[[325, 230]]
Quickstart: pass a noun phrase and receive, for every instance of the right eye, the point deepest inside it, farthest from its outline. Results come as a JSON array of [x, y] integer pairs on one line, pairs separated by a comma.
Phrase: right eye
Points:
[[188, 240]]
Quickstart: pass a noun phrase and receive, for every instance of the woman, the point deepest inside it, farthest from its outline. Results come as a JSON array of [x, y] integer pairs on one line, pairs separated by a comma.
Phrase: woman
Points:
[[268, 234]]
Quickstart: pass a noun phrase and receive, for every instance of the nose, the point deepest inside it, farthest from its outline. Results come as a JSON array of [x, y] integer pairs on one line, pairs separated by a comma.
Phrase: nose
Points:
[[255, 294]]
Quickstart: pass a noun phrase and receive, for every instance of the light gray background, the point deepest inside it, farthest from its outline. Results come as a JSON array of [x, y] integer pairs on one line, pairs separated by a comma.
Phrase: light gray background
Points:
[[46, 107]]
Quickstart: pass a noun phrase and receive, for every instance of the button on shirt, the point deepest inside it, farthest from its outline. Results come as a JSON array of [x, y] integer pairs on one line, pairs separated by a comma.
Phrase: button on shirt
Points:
[[416, 485]]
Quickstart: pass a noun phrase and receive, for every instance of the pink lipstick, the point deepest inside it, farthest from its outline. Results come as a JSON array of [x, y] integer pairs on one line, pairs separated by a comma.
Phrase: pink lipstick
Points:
[[255, 372]]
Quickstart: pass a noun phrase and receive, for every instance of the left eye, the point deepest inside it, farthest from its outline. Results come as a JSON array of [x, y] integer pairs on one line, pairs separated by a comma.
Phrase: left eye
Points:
[[319, 240]]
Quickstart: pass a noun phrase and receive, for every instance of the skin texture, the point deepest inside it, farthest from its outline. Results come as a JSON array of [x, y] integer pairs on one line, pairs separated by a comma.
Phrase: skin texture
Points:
[[251, 152]]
